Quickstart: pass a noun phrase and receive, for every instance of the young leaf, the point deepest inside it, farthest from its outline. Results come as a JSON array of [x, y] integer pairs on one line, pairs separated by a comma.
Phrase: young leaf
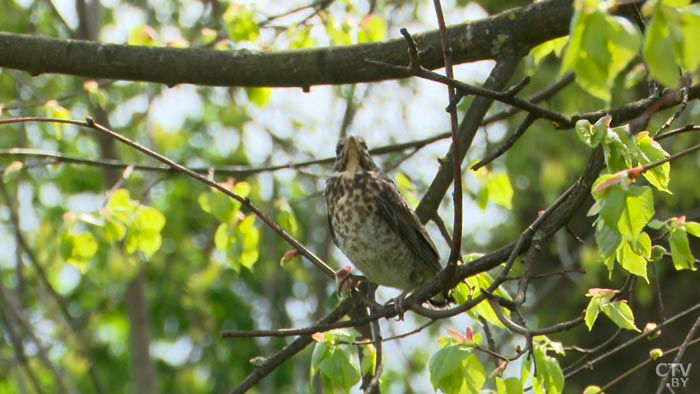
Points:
[[592, 312], [446, 368], [650, 151], [240, 23], [510, 385], [500, 190], [620, 313], [680, 249], [12, 171]]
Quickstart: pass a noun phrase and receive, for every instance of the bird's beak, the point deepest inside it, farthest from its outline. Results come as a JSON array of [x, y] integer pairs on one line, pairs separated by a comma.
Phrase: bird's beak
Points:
[[352, 147], [352, 153], [352, 142]]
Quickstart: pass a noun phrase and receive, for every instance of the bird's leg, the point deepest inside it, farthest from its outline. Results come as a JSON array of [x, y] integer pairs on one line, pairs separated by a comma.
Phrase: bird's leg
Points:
[[398, 304]]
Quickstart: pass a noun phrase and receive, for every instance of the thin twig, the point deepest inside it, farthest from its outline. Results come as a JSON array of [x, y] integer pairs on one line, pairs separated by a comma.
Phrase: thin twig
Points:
[[529, 120], [562, 121], [632, 341], [640, 366], [681, 351], [89, 123], [543, 94], [681, 107], [684, 129], [82, 340], [456, 245], [269, 364], [17, 315]]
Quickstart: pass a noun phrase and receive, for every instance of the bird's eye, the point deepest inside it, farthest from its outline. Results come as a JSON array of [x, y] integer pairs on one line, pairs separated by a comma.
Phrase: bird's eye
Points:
[[363, 143]]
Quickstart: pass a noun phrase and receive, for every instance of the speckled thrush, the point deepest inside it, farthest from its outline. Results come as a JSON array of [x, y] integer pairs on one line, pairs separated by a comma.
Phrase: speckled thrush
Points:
[[373, 225]]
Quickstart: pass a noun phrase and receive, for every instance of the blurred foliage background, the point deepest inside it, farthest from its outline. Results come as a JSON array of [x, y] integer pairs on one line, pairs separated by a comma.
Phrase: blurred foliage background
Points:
[[122, 264]]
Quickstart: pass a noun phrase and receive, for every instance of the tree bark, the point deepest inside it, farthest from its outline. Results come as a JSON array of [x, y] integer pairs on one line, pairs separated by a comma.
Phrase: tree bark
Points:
[[515, 31]]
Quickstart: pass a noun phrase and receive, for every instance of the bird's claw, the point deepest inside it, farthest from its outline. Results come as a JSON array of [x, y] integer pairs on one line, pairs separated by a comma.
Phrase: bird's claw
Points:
[[398, 305], [346, 282]]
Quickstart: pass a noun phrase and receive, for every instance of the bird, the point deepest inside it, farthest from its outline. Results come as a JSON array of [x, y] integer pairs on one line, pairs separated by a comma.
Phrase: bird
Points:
[[373, 225]]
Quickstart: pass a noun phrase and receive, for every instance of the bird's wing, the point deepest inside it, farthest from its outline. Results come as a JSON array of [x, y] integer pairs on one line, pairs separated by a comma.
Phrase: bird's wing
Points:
[[394, 210], [327, 194]]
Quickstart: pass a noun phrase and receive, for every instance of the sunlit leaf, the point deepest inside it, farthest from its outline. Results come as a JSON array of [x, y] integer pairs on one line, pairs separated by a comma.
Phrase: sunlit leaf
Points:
[[12, 171], [372, 29], [54, 110], [241, 24], [453, 369], [681, 255], [500, 191], [620, 313], [259, 96]]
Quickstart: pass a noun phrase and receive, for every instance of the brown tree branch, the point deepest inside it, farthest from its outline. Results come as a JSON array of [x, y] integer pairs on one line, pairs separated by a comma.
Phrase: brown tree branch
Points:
[[511, 31]]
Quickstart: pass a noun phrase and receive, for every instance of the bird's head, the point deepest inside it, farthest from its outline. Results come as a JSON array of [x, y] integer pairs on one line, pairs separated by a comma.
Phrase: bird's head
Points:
[[351, 154]]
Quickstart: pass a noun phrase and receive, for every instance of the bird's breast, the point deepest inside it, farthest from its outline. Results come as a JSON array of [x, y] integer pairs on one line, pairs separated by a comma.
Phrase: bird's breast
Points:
[[364, 237]]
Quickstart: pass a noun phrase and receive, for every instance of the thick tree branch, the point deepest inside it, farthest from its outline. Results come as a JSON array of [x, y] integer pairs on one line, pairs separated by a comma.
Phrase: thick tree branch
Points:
[[511, 31]]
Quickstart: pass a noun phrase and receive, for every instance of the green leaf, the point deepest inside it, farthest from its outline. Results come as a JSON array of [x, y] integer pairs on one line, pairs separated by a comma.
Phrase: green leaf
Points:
[[661, 45], [219, 205], [638, 211], [144, 231], [620, 313], [593, 390], [120, 206], [222, 238], [12, 171], [446, 368], [240, 23], [650, 151], [510, 385], [587, 133], [259, 96], [592, 312], [372, 29], [453, 369], [334, 360], [114, 230], [53, 110], [500, 190], [149, 219], [550, 377], [600, 46], [299, 37], [555, 376], [607, 238], [690, 30], [543, 50], [618, 148], [680, 249], [285, 216], [339, 35], [143, 35], [632, 261], [612, 206], [692, 228], [657, 253], [369, 359], [656, 224], [472, 288], [77, 249]]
